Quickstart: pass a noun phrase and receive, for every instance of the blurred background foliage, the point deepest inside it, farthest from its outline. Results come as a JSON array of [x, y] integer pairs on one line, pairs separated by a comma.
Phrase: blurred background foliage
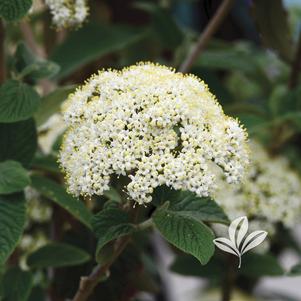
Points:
[[251, 64]]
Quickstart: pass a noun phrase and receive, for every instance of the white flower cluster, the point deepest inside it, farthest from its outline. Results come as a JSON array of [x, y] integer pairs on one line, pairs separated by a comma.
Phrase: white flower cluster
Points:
[[270, 193], [67, 13], [154, 125]]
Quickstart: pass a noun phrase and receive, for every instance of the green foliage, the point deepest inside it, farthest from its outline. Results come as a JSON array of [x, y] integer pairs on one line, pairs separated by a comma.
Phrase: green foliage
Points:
[[18, 101], [188, 203], [12, 222], [51, 103], [18, 141], [13, 177], [258, 265], [57, 255], [30, 68], [274, 27], [185, 232], [190, 266], [92, 42], [58, 194], [163, 24], [17, 285], [12, 10], [108, 225]]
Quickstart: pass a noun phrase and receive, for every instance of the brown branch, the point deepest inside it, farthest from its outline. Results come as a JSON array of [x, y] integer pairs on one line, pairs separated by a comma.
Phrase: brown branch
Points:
[[2, 52], [296, 67], [204, 38], [88, 283], [229, 278], [30, 39]]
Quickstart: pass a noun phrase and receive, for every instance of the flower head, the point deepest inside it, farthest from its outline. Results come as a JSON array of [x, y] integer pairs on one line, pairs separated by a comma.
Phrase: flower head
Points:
[[153, 125], [270, 193], [67, 13]]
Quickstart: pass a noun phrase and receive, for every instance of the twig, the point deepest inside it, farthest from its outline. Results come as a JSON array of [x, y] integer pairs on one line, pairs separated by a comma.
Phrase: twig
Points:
[[229, 280], [30, 39], [87, 284], [204, 38], [28, 36], [2, 52], [296, 67]]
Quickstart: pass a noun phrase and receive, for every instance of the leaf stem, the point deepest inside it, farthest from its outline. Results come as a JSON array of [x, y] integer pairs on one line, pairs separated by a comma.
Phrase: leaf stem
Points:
[[88, 283], [146, 224], [205, 36]]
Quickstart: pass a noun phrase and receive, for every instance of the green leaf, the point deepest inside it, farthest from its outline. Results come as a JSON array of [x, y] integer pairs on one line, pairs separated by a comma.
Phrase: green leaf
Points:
[[51, 104], [27, 65], [259, 265], [37, 294], [113, 195], [92, 42], [12, 221], [12, 10], [58, 194], [186, 233], [23, 57], [57, 255], [189, 266], [295, 270], [18, 101], [108, 225], [18, 141], [17, 284], [239, 57], [13, 177], [272, 22], [188, 203], [40, 69], [46, 163], [163, 24]]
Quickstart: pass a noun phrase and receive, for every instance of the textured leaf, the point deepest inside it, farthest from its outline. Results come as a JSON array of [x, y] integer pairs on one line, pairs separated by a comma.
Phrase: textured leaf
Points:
[[110, 224], [18, 101], [51, 104], [18, 141], [13, 177], [57, 255], [271, 19], [203, 209], [92, 42], [12, 10], [226, 245], [58, 194], [12, 221], [253, 240], [258, 265], [186, 233], [17, 285]]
